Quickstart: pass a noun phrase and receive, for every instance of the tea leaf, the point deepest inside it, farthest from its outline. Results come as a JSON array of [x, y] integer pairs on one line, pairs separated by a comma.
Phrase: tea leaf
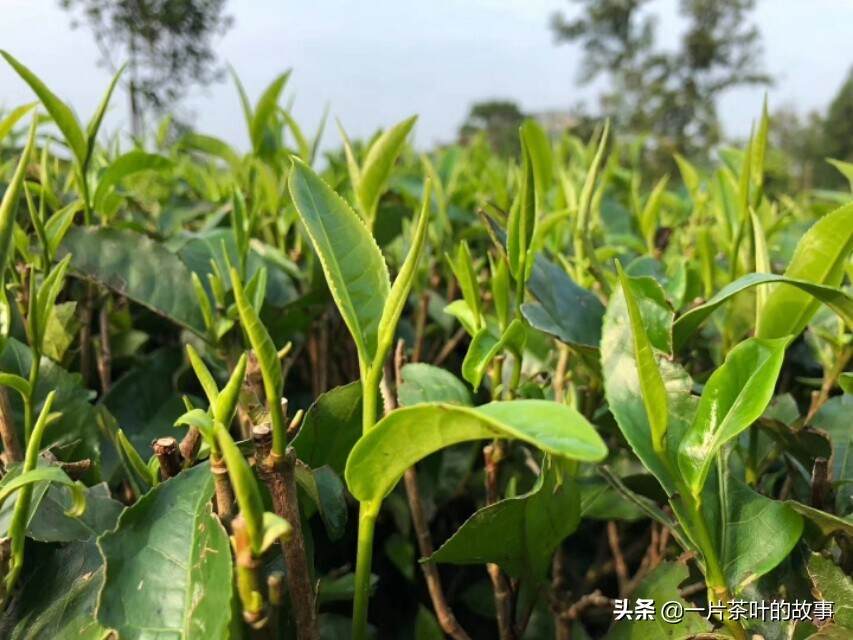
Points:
[[833, 297], [9, 204], [97, 118], [749, 516], [75, 433], [651, 382], [326, 491], [57, 600], [542, 163], [820, 257], [123, 166], [846, 168], [162, 558], [354, 267], [399, 291], [8, 123], [245, 485], [734, 397], [832, 584], [426, 383], [661, 586], [135, 266], [332, 425], [267, 356], [564, 309], [651, 212], [519, 534], [827, 523], [53, 475], [522, 220], [377, 166], [624, 392], [264, 110], [485, 347], [407, 435], [462, 266], [58, 110]]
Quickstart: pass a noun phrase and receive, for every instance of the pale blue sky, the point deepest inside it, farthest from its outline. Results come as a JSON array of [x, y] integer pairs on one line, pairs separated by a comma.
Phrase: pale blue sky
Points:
[[378, 61]]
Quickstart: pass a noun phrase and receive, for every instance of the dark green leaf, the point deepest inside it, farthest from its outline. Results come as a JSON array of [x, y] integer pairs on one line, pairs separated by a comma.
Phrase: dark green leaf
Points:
[[519, 534], [331, 427], [162, 560], [58, 597], [564, 309], [834, 418], [661, 586], [827, 523], [749, 517], [831, 584], [74, 435], [135, 266], [326, 491]]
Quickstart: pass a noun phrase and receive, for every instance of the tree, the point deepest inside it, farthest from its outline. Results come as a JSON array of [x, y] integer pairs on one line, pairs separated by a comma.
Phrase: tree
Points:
[[838, 125], [499, 119], [809, 140], [672, 94], [168, 45]]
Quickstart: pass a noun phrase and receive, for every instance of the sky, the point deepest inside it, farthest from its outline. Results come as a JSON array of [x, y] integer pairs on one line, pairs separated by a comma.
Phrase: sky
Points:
[[379, 61]]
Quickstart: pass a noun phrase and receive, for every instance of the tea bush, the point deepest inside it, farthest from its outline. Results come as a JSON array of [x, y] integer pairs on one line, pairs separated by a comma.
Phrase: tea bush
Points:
[[598, 387]]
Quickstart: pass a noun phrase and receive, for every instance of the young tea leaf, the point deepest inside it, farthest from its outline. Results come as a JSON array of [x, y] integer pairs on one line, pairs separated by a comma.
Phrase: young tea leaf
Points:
[[734, 397], [352, 263], [58, 110], [820, 257], [377, 166], [407, 435], [651, 382]]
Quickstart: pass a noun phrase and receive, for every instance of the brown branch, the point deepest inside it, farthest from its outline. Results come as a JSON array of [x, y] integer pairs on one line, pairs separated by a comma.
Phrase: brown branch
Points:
[[105, 352], [830, 378], [820, 483], [275, 594], [442, 609], [588, 601], [76, 469], [189, 445], [166, 450], [618, 559], [11, 447], [492, 455], [449, 347], [562, 627], [420, 327], [279, 474], [223, 492], [86, 333], [559, 380]]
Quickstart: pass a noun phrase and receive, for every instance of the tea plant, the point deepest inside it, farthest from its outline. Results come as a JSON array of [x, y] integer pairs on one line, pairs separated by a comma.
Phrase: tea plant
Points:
[[598, 386]]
